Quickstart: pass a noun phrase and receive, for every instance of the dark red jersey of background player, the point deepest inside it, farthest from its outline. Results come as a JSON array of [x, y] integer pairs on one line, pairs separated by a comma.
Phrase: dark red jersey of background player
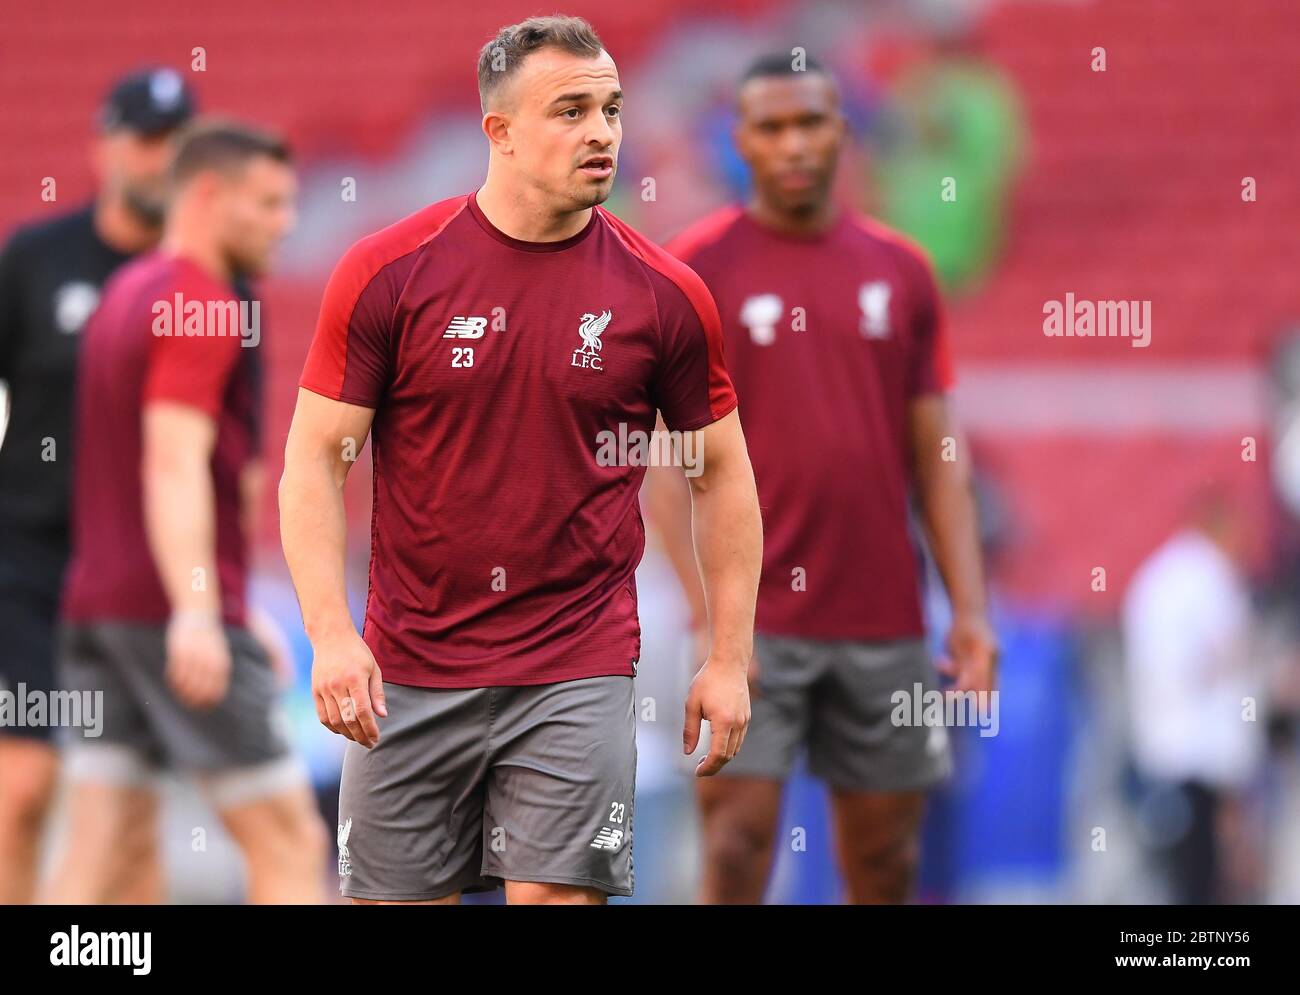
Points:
[[124, 365], [503, 552], [826, 390]]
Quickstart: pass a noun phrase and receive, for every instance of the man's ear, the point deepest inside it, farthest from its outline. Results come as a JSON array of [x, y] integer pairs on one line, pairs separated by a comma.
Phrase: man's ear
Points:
[[496, 126], [205, 187], [739, 140]]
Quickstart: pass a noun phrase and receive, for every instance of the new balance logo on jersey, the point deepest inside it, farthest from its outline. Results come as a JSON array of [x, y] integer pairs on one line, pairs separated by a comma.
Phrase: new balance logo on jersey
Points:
[[607, 839], [587, 355], [345, 858], [465, 328], [873, 299]]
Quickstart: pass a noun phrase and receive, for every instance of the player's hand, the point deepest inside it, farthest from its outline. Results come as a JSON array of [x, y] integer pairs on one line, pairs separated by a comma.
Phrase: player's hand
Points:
[[348, 688], [198, 659], [972, 653], [700, 653], [720, 694]]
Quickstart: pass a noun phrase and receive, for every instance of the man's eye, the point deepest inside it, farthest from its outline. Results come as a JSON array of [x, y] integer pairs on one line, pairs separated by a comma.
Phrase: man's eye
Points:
[[614, 110], [571, 113]]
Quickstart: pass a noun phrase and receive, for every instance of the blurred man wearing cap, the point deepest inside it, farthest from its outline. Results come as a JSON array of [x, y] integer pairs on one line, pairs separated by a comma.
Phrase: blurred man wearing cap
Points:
[[51, 273], [154, 616]]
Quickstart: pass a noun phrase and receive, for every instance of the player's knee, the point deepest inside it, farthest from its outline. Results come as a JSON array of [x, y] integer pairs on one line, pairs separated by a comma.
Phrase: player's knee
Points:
[[737, 845], [280, 832], [885, 865], [301, 835], [542, 893], [312, 838], [136, 843], [26, 792]]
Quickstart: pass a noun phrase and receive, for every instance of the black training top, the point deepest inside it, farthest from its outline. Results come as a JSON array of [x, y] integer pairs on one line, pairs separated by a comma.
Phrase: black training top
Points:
[[51, 274]]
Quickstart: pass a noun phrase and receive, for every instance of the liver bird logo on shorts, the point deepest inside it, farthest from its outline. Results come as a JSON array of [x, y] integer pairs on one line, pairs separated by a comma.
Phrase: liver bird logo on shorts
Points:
[[345, 858], [587, 355]]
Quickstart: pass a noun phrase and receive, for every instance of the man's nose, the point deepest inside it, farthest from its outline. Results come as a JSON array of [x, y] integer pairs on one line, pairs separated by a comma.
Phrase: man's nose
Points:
[[602, 134], [793, 142]]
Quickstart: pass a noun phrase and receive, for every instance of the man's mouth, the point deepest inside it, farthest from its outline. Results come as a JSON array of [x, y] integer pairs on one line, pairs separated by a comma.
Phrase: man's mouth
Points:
[[797, 179], [599, 167]]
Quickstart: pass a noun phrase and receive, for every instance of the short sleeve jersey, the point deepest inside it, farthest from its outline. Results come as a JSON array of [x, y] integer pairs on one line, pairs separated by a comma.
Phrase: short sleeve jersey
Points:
[[503, 374], [168, 331], [829, 338]]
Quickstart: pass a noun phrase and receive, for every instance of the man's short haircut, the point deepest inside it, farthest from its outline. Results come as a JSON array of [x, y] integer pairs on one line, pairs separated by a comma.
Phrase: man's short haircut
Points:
[[781, 64], [501, 57], [224, 146]]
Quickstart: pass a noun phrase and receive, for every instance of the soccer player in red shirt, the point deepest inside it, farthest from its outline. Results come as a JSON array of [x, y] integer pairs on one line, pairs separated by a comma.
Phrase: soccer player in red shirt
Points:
[[51, 274], [488, 344], [834, 337], [154, 613]]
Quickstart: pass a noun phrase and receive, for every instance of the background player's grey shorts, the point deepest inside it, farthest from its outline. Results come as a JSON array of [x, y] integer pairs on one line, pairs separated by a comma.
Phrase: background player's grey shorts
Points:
[[470, 787], [835, 698], [143, 722]]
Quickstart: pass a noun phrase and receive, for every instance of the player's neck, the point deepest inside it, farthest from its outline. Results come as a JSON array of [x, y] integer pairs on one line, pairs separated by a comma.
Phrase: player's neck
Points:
[[511, 213], [814, 221], [120, 229], [190, 240]]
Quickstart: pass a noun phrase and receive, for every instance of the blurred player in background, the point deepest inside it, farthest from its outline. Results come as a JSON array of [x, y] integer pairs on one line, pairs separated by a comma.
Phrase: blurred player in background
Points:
[[834, 338], [1191, 674], [51, 274], [155, 611], [487, 342]]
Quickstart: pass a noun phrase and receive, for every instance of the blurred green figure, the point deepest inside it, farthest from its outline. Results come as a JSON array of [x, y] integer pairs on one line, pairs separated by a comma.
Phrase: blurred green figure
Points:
[[952, 149]]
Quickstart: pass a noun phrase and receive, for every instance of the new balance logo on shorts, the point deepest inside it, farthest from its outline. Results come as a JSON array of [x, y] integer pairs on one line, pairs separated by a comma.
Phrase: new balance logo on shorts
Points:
[[465, 328], [607, 839]]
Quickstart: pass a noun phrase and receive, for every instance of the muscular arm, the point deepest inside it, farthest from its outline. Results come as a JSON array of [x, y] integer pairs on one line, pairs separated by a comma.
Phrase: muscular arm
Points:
[[180, 526], [728, 534], [941, 470], [324, 440], [179, 505], [728, 538]]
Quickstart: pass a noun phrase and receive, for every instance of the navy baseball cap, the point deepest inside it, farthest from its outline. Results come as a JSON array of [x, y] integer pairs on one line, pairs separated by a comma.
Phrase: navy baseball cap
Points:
[[150, 102]]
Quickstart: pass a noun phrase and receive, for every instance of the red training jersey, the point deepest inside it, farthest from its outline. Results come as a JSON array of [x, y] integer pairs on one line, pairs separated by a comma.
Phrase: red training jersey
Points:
[[124, 363], [829, 338], [503, 547]]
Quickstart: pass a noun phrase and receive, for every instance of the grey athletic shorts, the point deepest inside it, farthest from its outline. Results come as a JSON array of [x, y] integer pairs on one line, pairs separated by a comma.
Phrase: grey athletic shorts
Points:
[[835, 698], [471, 787], [146, 728]]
